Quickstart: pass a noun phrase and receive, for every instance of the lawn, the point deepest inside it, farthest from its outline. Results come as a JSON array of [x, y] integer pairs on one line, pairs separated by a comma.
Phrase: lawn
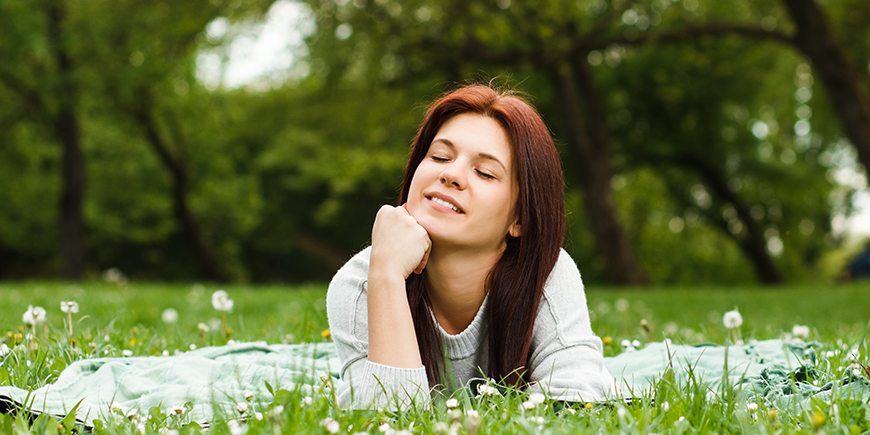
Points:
[[134, 320]]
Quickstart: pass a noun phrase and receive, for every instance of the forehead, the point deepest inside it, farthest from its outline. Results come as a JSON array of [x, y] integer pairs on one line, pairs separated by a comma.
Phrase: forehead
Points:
[[476, 134]]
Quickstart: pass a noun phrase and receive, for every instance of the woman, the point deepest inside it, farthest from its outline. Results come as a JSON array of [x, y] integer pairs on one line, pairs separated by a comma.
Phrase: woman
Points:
[[471, 264]]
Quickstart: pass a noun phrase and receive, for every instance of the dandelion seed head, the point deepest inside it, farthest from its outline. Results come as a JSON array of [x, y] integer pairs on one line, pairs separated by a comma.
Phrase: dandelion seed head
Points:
[[732, 319], [221, 301], [801, 331], [169, 315], [622, 305], [33, 315], [69, 307]]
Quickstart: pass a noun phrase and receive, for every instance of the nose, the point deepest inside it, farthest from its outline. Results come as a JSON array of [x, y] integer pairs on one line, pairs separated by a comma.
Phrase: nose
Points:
[[453, 175]]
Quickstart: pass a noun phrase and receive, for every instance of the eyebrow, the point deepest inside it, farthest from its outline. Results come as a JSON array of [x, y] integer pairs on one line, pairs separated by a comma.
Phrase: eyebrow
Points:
[[481, 155]]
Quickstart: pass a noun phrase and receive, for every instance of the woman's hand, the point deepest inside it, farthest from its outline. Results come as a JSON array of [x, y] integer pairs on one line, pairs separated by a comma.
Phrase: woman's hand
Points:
[[399, 244]]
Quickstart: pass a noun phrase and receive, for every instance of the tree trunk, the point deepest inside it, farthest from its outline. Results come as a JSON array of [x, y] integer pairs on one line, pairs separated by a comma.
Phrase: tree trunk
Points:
[[66, 129], [594, 161], [180, 187], [753, 244], [841, 78]]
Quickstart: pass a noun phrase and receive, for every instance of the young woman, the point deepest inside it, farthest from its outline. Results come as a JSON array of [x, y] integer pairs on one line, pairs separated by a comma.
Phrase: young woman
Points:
[[467, 276]]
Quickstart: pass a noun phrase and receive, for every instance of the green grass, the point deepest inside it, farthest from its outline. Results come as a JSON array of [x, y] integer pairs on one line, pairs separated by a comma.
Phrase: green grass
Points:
[[113, 320]]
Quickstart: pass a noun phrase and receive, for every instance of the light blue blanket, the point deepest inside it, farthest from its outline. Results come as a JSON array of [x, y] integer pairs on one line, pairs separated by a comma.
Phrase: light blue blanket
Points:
[[215, 379]]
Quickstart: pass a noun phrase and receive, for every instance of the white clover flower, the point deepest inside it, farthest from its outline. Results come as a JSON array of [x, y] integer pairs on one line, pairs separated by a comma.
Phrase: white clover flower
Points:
[[452, 402], [537, 398], [487, 390], [528, 405], [801, 331], [69, 307], [472, 413], [242, 407], [221, 301], [169, 315], [192, 346], [666, 406], [258, 416], [307, 400], [33, 315], [127, 352], [732, 319], [625, 343], [331, 425], [237, 428], [751, 407], [165, 352], [635, 343], [385, 427]]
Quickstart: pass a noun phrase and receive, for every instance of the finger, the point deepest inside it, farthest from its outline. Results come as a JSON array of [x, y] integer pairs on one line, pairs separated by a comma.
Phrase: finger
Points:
[[423, 261]]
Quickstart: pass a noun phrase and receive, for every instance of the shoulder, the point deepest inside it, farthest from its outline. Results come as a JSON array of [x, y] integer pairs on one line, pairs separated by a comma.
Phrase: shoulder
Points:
[[565, 276]]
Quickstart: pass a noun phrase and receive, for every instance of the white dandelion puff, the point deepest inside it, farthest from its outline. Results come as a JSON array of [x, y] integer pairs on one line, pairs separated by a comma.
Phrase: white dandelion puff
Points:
[[69, 307], [221, 301], [732, 319]]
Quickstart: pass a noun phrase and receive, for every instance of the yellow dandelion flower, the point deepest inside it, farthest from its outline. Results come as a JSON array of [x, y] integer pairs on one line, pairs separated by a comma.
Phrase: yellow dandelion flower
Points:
[[606, 340], [325, 333]]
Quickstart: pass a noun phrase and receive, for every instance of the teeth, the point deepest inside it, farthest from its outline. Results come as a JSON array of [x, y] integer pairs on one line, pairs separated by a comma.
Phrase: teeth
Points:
[[445, 204]]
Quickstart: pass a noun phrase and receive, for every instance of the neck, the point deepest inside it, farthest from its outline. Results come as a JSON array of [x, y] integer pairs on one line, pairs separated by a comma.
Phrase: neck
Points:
[[457, 284]]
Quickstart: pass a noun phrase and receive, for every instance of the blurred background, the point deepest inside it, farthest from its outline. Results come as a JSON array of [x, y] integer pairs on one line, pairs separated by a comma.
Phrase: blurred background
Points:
[[703, 141]]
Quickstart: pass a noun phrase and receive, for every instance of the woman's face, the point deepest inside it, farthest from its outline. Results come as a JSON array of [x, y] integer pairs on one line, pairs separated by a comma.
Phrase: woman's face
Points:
[[465, 190]]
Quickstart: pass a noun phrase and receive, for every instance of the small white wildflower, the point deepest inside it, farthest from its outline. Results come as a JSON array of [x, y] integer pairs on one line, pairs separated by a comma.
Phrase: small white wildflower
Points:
[[472, 413], [538, 420], [165, 352], [635, 343], [4, 349], [242, 407], [620, 412], [258, 416], [169, 315], [221, 301], [751, 407], [276, 411], [452, 402], [801, 331], [127, 352], [384, 427], [249, 396], [487, 390], [666, 406], [115, 407], [625, 343], [33, 315], [69, 307], [830, 354], [679, 420], [528, 404], [231, 342], [202, 327], [537, 398], [192, 346], [440, 427], [307, 400], [571, 411], [732, 319], [237, 428], [331, 425]]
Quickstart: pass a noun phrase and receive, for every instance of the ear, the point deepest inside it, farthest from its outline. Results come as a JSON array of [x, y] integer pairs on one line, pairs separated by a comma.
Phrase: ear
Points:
[[515, 230]]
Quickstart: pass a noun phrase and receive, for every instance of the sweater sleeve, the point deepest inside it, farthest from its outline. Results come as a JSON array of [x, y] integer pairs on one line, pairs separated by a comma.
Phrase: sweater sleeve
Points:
[[365, 384], [566, 360]]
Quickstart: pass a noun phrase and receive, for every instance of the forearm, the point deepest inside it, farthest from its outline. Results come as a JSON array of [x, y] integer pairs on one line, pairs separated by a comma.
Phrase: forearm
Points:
[[392, 338]]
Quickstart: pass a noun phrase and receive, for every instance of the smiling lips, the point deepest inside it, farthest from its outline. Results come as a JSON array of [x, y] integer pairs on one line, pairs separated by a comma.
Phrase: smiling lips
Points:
[[444, 202]]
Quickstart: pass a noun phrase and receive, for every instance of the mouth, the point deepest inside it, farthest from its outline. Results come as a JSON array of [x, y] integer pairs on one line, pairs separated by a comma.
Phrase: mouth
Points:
[[445, 202]]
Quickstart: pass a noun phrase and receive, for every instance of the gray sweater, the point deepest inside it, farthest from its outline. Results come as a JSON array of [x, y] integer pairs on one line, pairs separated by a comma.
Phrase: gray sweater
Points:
[[566, 356]]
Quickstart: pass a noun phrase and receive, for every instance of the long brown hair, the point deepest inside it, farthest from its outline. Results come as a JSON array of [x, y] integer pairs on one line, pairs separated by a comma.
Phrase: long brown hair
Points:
[[516, 283]]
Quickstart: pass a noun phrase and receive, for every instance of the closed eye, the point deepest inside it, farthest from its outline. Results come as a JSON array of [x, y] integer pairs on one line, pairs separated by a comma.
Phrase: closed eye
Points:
[[485, 175], [439, 158]]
